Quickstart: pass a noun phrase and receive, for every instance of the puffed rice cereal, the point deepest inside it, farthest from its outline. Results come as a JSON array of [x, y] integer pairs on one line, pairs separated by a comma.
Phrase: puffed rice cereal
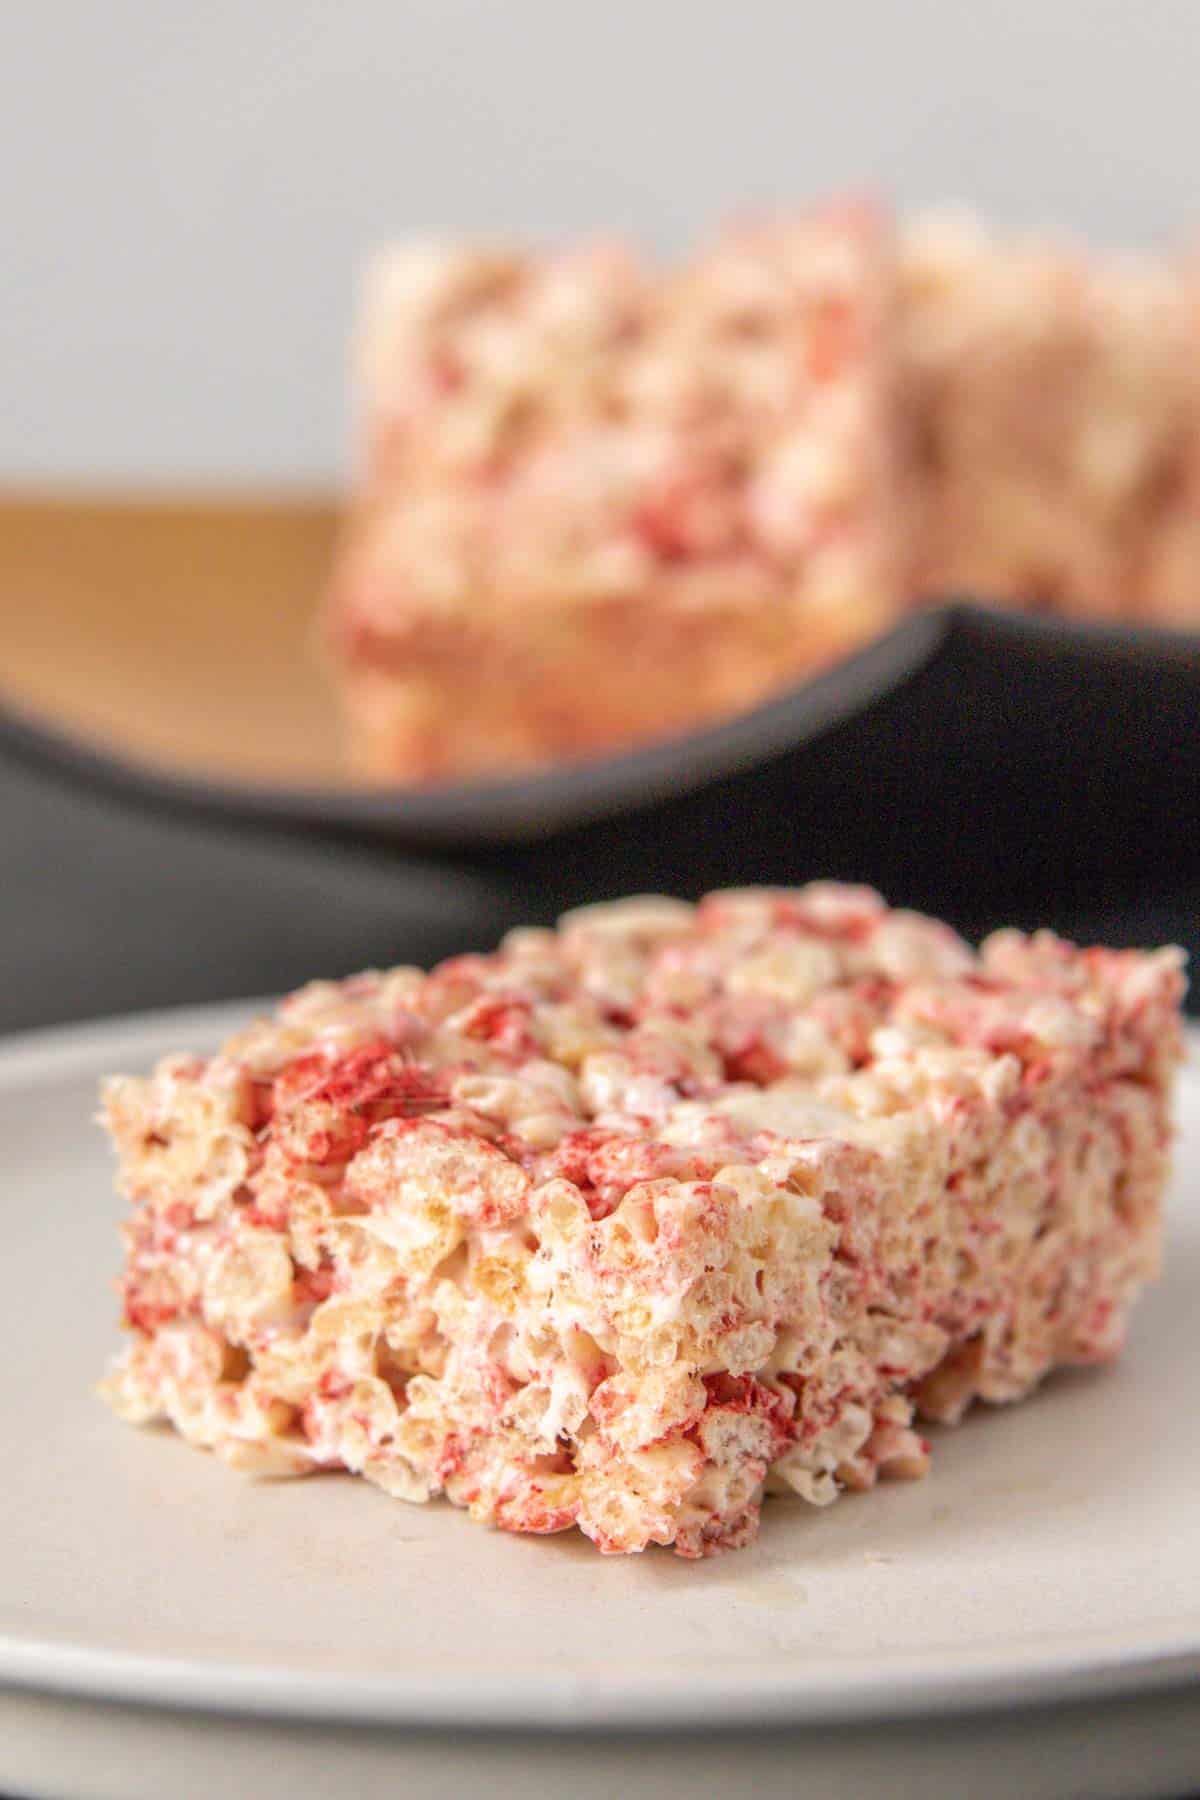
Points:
[[602, 503], [631, 1222]]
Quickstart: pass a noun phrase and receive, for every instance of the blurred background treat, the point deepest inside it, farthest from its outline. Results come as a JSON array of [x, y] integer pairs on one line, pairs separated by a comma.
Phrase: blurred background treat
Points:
[[1051, 396], [601, 503], [572, 499]]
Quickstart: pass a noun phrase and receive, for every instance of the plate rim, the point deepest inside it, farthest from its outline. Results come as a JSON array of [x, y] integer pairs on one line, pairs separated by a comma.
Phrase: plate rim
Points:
[[911, 1688], [1081, 1665]]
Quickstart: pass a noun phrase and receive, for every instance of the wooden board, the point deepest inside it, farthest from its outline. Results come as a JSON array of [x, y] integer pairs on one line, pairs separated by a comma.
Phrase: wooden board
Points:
[[178, 631]]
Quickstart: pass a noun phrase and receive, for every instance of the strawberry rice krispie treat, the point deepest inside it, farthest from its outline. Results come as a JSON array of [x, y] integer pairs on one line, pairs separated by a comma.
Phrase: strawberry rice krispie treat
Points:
[[628, 1223], [1168, 577], [603, 503], [1051, 397]]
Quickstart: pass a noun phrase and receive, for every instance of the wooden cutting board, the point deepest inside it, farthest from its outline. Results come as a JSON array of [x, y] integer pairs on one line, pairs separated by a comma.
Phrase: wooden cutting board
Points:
[[179, 631]]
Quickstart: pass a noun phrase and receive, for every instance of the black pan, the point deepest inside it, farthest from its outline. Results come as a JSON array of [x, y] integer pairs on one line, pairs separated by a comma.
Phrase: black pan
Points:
[[985, 765], [1015, 671]]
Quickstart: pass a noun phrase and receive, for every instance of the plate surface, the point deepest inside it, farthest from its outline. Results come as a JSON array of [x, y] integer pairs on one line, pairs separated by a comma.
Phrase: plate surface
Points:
[[1030, 1564]]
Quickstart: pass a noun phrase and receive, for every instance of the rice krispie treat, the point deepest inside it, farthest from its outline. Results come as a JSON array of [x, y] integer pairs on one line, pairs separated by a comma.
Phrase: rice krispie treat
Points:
[[1050, 396], [603, 503], [629, 1222], [1168, 578]]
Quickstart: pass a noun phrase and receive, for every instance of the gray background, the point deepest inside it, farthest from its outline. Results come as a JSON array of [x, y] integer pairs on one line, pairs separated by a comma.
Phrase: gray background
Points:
[[188, 189]]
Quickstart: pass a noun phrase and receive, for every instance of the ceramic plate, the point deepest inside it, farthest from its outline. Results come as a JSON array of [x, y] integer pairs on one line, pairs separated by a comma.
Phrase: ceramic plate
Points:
[[1053, 1554]]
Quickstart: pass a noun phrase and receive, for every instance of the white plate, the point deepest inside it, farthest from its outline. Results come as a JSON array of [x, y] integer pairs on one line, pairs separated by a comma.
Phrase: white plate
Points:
[[1052, 1555]]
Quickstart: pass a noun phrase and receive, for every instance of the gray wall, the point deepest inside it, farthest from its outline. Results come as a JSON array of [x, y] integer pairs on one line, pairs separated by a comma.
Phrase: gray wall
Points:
[[188, 188]]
